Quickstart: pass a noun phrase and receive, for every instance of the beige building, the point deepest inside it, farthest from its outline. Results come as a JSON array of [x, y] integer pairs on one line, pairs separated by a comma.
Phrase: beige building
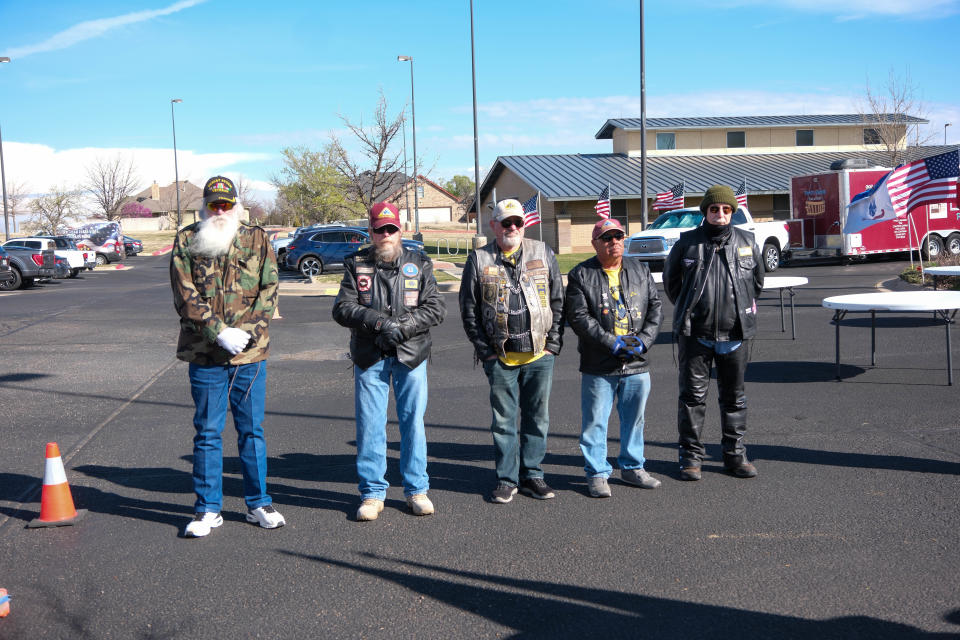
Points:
[[161, 202], [763, 152]]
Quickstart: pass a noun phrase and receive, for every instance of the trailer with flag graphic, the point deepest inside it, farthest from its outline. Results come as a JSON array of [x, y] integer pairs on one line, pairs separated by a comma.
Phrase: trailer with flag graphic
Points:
[[852, 213]]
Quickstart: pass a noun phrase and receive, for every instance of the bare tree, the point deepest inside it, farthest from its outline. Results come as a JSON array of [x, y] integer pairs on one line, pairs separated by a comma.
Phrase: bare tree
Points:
[[371, 179], [888, 112], [52, 211], [244, 187], [16, 194], [110, 181]]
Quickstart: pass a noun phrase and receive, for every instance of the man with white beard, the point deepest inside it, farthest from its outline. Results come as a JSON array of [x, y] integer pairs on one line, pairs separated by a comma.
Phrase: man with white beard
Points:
[[511, 305], [389, 299], [224, 279]]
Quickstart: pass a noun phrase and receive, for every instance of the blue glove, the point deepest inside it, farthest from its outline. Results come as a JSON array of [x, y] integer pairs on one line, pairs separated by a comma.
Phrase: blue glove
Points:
[[628, 347]]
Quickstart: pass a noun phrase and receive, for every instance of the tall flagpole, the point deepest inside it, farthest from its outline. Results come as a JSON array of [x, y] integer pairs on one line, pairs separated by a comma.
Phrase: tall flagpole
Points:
[[540, 214], [643, 124]]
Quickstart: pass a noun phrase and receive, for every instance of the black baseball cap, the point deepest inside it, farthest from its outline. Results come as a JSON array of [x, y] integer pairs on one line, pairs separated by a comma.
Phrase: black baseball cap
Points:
[[219, 189]]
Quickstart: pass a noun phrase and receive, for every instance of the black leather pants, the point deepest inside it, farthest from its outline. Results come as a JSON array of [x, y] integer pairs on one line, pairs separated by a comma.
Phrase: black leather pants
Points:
[[696, 362]]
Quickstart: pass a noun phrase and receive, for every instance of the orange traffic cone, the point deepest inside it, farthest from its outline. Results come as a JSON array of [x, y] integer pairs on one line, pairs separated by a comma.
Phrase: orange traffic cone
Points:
[[4, 603], [56, 503]]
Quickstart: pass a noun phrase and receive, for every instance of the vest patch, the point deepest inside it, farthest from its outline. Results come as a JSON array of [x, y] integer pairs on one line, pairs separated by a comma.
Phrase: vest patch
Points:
[[363, 282], [410, 270], [744, 251], [535, 264], [411, 283]]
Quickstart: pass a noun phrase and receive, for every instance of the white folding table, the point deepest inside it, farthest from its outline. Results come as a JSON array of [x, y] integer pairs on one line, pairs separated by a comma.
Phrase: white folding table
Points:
[[943, 304], [940, 272], [781, 283]]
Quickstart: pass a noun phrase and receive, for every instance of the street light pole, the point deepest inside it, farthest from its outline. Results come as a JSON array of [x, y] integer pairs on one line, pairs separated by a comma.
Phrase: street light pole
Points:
[[413, 115], [945, 132], [176, 171], [3, 180], [478, 239]]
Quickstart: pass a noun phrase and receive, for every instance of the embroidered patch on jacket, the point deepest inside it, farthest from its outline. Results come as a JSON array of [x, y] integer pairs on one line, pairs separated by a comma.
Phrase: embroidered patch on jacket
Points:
[[411, 298], [363, 283], [745, 251], [688, 261], [411, 283], [542, 292], [361, 269], [535, 264], [410, 270], [489, 271]]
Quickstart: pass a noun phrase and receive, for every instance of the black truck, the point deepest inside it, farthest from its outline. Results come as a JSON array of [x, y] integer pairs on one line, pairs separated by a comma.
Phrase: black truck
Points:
[[26, 265]]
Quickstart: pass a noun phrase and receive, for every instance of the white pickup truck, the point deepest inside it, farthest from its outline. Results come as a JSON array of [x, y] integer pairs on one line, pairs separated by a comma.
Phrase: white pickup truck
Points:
[[653, 244]]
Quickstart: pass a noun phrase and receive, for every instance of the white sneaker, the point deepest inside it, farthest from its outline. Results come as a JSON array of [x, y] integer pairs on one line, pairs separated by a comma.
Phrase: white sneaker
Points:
[[266, 516], [369, 509], [420, 504], [201, 524]]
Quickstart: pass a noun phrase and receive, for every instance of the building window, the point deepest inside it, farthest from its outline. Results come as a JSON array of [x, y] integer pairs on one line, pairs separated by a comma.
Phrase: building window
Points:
[[666, 141], [419, 191], [736, 139], [618, 211], [871, 136], [804, 137], [781, 203]]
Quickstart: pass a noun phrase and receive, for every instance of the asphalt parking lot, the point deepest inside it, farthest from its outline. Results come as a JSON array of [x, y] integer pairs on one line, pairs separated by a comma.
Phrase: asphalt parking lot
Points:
[[850, 530]]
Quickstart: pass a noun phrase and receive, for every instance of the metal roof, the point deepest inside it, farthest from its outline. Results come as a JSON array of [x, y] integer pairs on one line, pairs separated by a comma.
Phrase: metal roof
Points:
[[750, 122], [583, 176]]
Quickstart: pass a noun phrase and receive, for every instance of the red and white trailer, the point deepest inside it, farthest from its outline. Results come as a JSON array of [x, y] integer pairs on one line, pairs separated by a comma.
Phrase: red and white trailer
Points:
[[818, 204]]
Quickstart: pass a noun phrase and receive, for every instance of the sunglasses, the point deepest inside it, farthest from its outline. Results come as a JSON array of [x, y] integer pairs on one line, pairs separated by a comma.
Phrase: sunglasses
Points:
[[512, 222], [220, 206], [387, 228], [610, 237]]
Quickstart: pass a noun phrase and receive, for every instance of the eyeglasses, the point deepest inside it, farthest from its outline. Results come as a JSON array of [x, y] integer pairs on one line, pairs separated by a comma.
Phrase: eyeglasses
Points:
[[387, 228], [512, 222], [220, 206], [610, 237], [720, 208]]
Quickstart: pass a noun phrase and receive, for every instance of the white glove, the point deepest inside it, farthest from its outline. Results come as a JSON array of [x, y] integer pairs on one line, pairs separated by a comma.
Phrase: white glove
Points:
[[233, 340]]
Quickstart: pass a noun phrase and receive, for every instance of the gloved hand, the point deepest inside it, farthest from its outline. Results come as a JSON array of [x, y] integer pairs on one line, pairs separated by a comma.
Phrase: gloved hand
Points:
[[390, 334], [628, 346], [233, 340], [408, 326]]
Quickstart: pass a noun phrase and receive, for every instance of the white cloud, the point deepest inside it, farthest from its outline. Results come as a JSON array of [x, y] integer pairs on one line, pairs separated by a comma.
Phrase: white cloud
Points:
[[856, 9], [95, 28], [41, 166]]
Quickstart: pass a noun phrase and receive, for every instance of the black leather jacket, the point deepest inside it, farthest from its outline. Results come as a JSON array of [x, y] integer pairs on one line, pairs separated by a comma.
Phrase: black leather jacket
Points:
[[685, 280], [590, 314], [405, 290]]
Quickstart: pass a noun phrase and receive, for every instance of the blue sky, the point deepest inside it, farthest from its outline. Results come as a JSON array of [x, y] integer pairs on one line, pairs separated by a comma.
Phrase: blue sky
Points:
[[95, 79]]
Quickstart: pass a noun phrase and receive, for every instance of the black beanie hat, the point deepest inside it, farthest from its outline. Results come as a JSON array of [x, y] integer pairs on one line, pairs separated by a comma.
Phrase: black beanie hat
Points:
[[718, 194]]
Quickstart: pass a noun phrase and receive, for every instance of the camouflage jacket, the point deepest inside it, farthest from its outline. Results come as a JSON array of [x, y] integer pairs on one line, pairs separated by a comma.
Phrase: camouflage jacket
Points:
[[238, 289]]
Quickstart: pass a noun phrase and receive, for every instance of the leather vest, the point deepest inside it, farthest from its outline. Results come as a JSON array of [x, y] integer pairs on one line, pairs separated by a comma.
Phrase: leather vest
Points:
[[534, 283]]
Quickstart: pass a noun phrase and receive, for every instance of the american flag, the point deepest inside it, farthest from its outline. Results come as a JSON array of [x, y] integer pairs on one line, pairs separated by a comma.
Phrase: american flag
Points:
[[672, 199], [603, 203], [530, 214], [932, 179], [741, 193]]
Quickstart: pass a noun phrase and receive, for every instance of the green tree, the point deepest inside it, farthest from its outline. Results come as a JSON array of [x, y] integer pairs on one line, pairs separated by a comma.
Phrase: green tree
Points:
[[310, 189], [459, 186]]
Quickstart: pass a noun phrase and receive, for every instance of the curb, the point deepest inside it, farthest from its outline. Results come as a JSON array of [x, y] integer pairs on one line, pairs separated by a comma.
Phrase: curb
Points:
[[164, 250]]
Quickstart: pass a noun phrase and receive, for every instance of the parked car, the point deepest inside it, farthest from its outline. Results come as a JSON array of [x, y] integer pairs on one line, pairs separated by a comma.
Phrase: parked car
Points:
[[61, 268], [653, 244], [132, 246], [280, 247], [6, 273], [66, 247], [27, 265], [325, 250]]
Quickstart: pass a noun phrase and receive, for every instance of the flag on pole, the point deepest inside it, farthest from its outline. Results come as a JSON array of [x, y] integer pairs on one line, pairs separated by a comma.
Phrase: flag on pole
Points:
[[603, 203], [924, 181], [531, 214], [741, 193], [672, 199], [932, 179]]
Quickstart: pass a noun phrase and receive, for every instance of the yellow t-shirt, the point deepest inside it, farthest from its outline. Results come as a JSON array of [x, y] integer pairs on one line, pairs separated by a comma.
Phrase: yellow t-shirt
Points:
[[621, 324], [516, 358]]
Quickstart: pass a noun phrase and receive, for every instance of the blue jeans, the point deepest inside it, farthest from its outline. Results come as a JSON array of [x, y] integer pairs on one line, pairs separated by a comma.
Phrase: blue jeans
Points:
[[244, 388], [372, 390], [524, 389], [596, 402]]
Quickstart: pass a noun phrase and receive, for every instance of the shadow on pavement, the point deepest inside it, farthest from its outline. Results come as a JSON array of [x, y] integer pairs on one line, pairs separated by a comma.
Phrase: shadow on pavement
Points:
[[542, 609]]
